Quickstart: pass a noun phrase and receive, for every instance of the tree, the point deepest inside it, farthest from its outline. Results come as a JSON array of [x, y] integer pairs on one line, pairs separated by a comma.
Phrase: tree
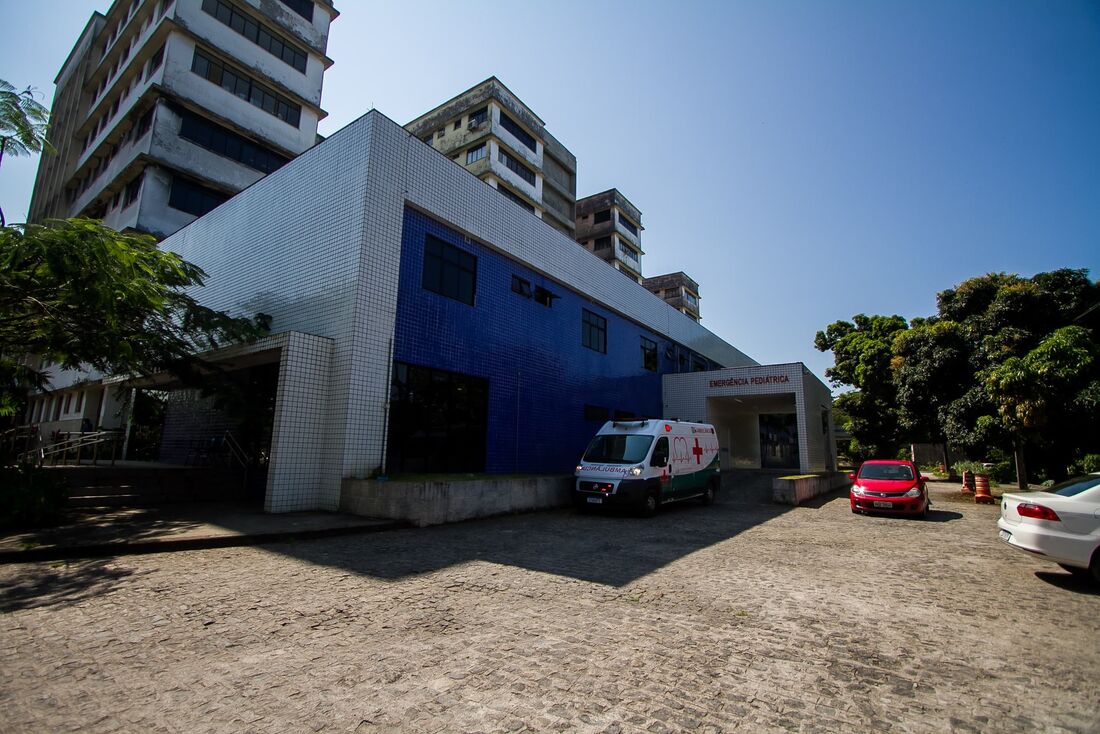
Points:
[[77, 294], [862, 352], [1006, 365], [930, 368], [1050, 393], [23, 124]]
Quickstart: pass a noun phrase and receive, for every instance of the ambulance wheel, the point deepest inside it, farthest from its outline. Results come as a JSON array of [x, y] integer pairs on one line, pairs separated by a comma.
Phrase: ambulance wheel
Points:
[[710, 492], [650, 503]]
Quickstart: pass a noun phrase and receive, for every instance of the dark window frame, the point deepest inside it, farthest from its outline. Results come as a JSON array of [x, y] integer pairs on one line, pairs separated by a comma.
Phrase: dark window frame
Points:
[[217, 139], [593, 331], [604, 215], [649, 354], [258, 33], [516, 166], [244, 87], [521, 286], [449, 271], [513, 127], [628, 225], [476, 153], [303, 8], [596, 413], [193, 198]]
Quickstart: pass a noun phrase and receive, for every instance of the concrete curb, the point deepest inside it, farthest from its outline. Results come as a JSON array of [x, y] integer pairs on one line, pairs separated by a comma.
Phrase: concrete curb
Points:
[[201, 542]]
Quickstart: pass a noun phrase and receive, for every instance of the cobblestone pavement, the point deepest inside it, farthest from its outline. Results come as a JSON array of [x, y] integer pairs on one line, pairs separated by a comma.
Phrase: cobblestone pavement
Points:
[[741, 616]]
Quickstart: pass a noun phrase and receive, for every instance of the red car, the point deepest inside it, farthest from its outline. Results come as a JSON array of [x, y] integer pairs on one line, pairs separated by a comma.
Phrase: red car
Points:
[[893, 487]]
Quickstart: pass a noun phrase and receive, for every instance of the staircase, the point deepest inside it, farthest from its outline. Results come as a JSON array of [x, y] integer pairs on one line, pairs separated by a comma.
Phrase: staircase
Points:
[[148, 485]]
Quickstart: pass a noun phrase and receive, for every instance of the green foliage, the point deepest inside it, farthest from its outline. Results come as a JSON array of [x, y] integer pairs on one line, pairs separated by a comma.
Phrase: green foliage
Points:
[[1007, 363], [862, 351], [30, 497], [23, 124], [77, 293], [974, 467], [1087, 464]]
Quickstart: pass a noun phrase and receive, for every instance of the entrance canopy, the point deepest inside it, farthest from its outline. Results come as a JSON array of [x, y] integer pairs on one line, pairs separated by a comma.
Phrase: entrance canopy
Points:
[[776, 416]]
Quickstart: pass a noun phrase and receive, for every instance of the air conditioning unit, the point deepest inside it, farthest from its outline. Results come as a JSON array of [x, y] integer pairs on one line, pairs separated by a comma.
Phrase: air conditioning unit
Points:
[[472, 124]]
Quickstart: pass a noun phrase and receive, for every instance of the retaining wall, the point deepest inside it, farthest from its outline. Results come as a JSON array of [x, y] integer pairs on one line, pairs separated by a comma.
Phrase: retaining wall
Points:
[[436, 502], [796, 490]]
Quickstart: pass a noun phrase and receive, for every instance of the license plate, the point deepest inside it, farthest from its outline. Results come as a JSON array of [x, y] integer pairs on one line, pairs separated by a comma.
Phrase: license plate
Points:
[[595, 500], [886, 505], [1005, 535]]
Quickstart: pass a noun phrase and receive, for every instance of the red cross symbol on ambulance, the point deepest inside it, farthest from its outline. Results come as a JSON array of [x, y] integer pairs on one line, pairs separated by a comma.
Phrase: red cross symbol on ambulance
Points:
[[698, 451]]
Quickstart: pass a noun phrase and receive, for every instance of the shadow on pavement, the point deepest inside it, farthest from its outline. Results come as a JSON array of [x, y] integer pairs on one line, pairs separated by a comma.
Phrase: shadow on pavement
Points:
[[613, 549], [1077, 583], [61, 584]]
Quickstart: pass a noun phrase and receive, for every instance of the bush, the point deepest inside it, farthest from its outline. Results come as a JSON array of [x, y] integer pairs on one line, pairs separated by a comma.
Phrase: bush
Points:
[[30, 497], [974, 467], [1087, 464], [1003, 471]]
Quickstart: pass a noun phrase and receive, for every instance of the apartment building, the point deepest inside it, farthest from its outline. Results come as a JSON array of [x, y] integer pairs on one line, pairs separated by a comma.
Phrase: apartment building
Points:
[[609, 226], [677, 290], [166, 108], [500, 140]]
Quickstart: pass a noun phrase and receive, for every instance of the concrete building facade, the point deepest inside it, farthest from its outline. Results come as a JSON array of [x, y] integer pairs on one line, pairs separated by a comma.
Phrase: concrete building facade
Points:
[[776, 416], [677, 290], [424, 289], [610, 227], [495, 136], [166, 108]]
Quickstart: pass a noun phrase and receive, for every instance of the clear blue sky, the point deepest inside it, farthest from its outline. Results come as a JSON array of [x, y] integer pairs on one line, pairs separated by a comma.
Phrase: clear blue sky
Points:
[[803, 161]]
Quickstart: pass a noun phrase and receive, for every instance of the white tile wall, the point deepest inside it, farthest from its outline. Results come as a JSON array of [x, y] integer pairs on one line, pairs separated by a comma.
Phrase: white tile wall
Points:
[[685, 396], [317, 245]]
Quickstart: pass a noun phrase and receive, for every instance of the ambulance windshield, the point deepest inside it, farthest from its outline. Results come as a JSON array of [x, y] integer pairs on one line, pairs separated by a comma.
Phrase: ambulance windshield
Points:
[[618, 449]]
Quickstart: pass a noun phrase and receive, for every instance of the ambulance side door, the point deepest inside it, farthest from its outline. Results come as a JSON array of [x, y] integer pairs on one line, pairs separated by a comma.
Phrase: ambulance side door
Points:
[[662, 464]]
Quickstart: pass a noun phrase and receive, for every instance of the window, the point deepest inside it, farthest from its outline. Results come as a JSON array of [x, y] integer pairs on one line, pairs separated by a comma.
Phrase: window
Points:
[[242, 86], [261, 35], [449, 271], [618, 449], [544, 297], [132, 190], [303, 8], [628, 225], [521, 286], [216, 138], [691, 299], [517, 132], [458, 124], [603, 243], [595, 413], [428, 138], [479, 117], [628, 253], [476, 153], [649, 354], [193, 198], [438, 420], [516, 167], [515, 197], [155, 62], [660, 452], [602, 216], [144, 123], [593, 331]]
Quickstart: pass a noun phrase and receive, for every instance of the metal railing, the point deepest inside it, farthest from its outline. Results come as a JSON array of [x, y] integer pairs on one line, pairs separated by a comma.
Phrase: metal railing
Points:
[[75, 447], [223, 449]]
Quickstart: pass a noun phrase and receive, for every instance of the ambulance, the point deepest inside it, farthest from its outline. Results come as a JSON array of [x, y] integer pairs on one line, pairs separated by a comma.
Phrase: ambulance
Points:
[[647, 463]]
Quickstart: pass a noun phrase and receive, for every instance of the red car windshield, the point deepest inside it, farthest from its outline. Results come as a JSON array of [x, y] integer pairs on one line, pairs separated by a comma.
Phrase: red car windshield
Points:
[[888, 472]]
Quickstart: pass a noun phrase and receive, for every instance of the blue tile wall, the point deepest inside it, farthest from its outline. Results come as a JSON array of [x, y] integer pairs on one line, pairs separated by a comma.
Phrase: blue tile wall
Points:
[[540, 377]]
